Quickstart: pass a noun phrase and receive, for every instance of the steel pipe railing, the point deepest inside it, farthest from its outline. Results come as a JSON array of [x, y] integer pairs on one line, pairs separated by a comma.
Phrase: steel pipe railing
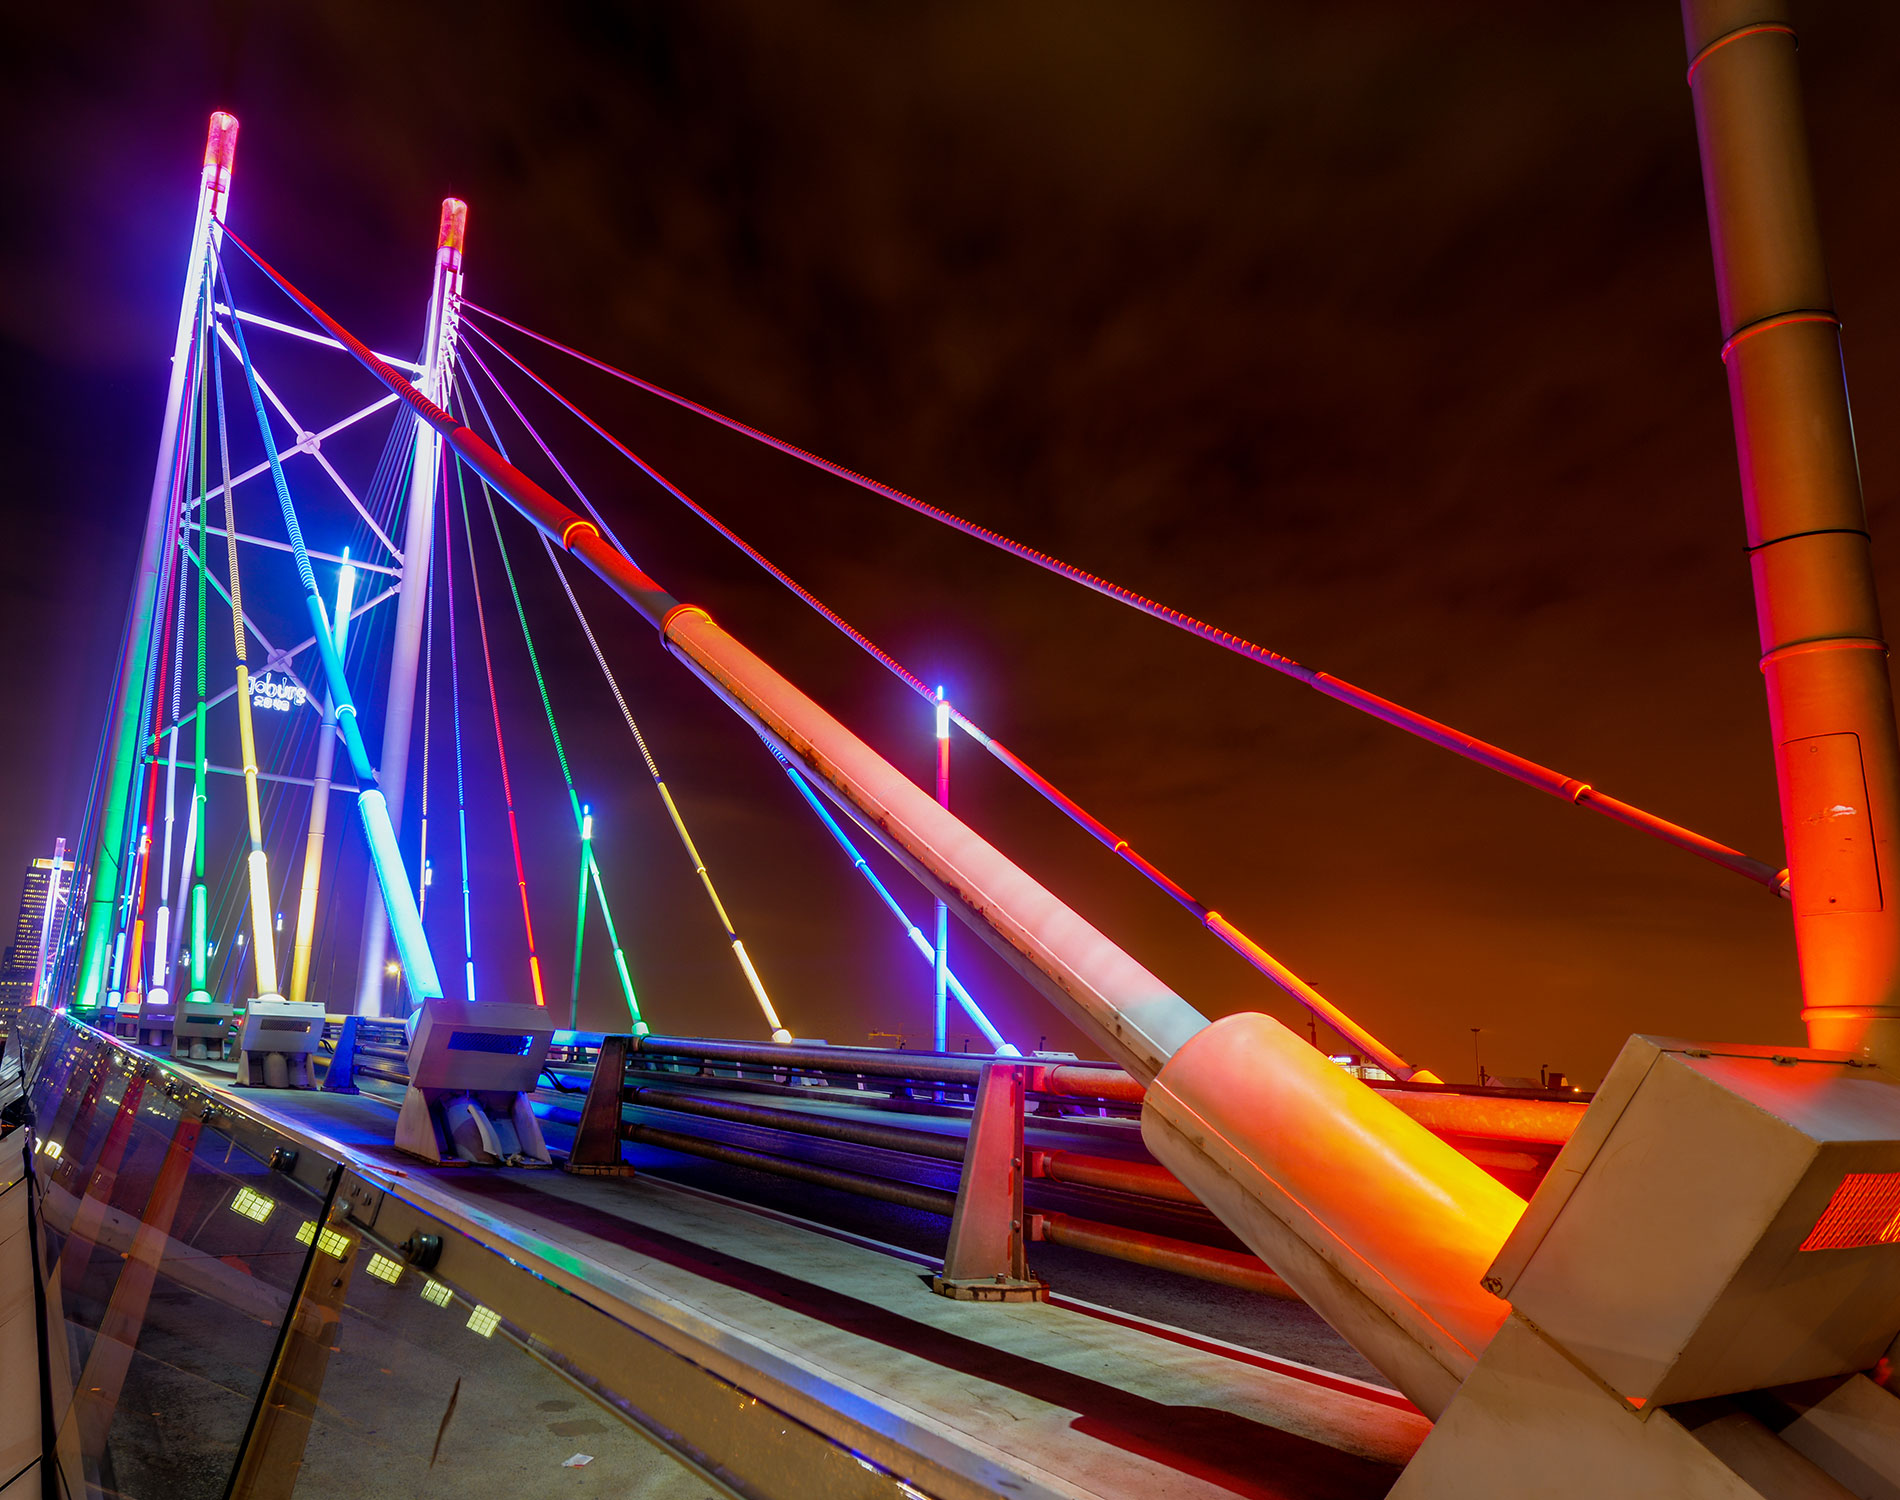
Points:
[[904, 1194], [1141, 1178], [1204, 1262], [849, 1132]]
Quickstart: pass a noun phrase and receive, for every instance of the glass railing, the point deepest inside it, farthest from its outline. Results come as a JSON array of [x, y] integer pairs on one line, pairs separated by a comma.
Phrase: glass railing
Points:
[[232, 1312]]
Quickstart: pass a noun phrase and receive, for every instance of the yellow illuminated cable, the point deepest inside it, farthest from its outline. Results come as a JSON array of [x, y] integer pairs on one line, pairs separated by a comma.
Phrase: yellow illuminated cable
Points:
[[263, 943]]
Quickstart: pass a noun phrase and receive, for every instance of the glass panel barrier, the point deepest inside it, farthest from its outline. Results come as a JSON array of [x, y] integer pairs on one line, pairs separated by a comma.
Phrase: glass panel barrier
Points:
[[172, 1255], [397, 1384], [234, 1314]]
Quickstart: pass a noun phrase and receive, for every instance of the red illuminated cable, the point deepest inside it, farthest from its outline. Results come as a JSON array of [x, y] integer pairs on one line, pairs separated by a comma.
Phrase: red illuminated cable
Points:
[[659, 608], [1295, 987], [1529, 772], [911, 679], [132, 976], [501, 751]]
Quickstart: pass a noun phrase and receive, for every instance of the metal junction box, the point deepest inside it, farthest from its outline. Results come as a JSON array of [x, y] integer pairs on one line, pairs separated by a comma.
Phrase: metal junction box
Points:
[[1724, 1219]]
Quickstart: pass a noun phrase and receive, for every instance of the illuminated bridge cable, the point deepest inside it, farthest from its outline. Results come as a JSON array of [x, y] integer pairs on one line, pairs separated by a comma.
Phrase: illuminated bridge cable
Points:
[[196, 830], [455, 731], [501, 748], [1518, 768], [911, 929], [778, 1029], [428, 695], [658, 607], [779, 1032], [590, 866], [412, 945], [166, 934], [263, 936], [134, 853], [583, 819], [1288, 982], [151, 710]]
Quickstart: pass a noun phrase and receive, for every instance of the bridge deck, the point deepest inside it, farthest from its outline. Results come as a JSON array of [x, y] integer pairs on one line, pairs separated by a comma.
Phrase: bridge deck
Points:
[[1065, 1398]]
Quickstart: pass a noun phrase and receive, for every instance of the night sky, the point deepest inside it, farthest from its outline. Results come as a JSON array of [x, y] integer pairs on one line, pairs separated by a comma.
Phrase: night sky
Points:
[[1382, 334]]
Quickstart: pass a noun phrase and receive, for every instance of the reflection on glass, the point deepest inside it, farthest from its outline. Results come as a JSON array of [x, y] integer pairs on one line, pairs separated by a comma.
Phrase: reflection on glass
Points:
[[226, 1332], [429, 1394], [171, 1254]]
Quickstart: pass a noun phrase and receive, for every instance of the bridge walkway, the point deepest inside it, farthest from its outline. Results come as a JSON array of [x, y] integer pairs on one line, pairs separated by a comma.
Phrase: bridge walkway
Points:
[[840, 1329]]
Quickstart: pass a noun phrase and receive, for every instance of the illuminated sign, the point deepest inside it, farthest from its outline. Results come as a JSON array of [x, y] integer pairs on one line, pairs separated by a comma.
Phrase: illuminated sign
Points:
[[277, 693]]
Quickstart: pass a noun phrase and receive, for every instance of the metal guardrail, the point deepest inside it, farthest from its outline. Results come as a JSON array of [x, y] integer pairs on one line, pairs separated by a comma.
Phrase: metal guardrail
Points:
[[1512, 1133], [989, 1226]]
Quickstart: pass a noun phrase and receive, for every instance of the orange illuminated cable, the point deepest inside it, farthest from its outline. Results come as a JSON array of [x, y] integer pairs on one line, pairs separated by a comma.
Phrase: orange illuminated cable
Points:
[[1289, 982], [1543, 778]]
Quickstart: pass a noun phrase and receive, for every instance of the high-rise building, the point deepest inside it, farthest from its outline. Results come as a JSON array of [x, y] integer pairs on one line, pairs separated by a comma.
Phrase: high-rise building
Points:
[[16, 969]]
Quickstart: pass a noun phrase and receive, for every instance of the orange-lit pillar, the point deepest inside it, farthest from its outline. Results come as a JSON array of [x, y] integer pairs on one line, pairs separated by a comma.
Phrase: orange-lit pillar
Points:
[[1824, 658]]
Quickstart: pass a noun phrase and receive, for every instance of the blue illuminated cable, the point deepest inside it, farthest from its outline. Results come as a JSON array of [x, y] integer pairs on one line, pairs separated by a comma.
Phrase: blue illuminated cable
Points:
[[911, 929], [412, 944], [455, 719]]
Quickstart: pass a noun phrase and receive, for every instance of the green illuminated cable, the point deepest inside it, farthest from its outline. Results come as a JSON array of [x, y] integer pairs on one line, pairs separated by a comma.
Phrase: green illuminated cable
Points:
[[583, 821], [778, 1029], [197, 994]]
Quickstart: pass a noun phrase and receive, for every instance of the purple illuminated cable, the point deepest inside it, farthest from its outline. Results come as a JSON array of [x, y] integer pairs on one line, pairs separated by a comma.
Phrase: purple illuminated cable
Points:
[[455, 719], [1469, 747], [1213, 921], [884, 658], [746, 966]]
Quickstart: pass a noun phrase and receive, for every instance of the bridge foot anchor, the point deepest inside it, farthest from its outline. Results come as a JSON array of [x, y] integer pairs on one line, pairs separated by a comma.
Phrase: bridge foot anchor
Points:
[[998, 1288], [1694, 1289], [202, 1029], [277, 1043], [471, 1070], [490, 1129]]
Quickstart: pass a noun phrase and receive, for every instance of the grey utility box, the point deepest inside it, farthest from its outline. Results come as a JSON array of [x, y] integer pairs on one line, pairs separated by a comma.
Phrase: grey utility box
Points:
[[1725, 1219]]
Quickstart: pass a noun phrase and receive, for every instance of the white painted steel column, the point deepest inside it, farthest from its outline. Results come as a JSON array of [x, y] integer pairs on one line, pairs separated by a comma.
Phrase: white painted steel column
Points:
[[417, 543], [102, 861]]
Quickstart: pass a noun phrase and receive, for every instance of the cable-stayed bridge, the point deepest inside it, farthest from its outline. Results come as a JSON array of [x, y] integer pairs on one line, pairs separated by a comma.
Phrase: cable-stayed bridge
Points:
[[316, 1197]]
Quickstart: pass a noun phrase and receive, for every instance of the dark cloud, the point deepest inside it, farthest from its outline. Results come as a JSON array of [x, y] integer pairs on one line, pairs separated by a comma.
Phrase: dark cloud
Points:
[[1382, 334]]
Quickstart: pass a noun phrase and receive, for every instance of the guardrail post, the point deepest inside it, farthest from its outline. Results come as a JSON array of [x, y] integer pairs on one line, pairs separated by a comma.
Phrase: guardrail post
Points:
[[985, 1260], [596, 1150], [341, 1079]]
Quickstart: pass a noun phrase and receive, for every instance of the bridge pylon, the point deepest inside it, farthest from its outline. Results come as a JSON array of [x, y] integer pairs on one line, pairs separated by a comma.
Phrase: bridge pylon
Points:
[[126, 714], [418, 542]]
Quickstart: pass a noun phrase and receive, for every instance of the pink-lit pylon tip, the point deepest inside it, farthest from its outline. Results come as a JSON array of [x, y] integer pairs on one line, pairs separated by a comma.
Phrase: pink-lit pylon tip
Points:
[[453, 231], [221, 148]]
